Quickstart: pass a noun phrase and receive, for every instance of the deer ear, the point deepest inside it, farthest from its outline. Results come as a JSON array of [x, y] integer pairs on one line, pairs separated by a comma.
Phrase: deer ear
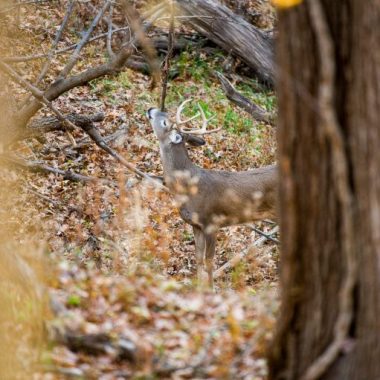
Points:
[[175, 138], [194, 140]]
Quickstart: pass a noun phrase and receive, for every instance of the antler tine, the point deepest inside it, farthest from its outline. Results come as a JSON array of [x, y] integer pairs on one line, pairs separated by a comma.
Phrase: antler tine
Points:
[[206, 121], [203, 130], [179, 121]]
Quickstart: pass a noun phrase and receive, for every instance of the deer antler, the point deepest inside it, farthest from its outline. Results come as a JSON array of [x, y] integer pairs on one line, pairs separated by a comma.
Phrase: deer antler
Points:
[[179, 121], [196, 131]]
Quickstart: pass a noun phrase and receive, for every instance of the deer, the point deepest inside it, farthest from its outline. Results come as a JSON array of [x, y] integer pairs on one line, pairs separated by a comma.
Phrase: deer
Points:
[[209, 199]]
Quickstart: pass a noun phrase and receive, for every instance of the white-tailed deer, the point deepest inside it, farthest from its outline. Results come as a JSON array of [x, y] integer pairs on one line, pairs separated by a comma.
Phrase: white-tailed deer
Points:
[[210, 199]]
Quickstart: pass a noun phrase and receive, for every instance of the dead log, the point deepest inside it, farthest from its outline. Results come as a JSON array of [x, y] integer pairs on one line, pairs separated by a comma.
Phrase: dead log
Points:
[[52, 123], [233, 34]]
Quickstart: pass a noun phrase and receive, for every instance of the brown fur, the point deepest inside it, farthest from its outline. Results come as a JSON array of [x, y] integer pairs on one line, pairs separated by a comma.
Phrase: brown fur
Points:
[[211, 199]]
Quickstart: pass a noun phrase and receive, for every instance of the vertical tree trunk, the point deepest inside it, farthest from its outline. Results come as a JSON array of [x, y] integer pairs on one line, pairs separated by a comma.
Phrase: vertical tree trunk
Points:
[[329, 154]]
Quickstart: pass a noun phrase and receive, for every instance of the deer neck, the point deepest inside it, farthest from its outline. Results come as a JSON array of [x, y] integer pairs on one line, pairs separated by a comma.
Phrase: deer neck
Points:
[[174, 159]]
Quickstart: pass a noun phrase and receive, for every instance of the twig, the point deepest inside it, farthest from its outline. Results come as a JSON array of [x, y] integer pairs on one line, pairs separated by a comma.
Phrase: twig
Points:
[[235, 97], [39, 167], [45, 69], [60, 86], [22, 3], [76, 54], [86, 141], [27, 58], [38, 94], [333, 132], [153, 13], [140, 37], [109, 34], [237, 258], [166, 68], [50, 54], [99, 141], [268, 236], [150, 14], [57, 204]]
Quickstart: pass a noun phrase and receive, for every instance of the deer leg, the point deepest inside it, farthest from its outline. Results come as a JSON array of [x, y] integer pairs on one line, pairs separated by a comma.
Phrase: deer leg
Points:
[[200, 248], [210, 252]]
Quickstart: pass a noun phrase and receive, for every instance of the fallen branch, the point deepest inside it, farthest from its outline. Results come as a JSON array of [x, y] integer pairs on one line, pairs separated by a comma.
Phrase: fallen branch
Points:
[[39, 167], [266, 235], [100, 142], [88, 128], [87, 141], [63, 85], [241, 101], [39, 95], [94, 344], [233, 34], [237, 258], [57, 204], [52, 123]]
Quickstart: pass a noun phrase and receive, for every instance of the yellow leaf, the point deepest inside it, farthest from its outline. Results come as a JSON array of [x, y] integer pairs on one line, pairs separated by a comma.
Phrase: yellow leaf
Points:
[[286, 3]]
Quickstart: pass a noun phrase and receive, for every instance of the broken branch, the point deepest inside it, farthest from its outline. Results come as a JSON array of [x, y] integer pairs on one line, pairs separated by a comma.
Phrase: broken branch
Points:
[[236, 259], [241, 101]]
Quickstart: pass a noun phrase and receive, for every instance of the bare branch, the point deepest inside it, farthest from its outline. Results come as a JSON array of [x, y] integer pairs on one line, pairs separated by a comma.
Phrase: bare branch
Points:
[[38, 95], [237, 258], [58, 204], [50, 55], [268, 236], [17, 59], [76, 54], [144, 42], [166, 68], [88, 128], [100, 142], [22, 3], [109, 34], [153, 14], [40, 167], [60, 86]]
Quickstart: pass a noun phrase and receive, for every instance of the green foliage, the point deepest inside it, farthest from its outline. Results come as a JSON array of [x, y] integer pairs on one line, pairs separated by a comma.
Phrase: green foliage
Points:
[[73, 300]]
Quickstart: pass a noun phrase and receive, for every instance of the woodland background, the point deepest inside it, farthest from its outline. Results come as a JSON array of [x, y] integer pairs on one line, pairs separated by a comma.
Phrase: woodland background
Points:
[[98, 265]]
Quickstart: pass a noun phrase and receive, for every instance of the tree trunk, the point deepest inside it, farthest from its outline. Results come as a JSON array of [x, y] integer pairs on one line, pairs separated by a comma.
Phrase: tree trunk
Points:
[[329, 154], [232, 33]]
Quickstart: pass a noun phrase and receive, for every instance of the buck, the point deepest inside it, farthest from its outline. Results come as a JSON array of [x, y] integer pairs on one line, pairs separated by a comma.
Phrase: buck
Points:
[[209, 199]]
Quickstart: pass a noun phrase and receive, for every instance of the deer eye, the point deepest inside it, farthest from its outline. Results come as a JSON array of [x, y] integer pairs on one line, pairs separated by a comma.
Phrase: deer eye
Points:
[[164, 124]]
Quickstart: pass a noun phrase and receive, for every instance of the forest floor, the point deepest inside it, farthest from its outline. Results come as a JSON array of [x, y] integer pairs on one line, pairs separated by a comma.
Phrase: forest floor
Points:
[[118, 261]]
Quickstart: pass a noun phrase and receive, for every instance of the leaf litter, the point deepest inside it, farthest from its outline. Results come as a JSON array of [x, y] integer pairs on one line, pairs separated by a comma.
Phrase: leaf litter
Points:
[[121, 261]]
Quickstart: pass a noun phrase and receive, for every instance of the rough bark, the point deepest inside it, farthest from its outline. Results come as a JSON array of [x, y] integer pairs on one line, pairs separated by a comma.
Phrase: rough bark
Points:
[[317, 251], [52, 123], [232, 33]]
